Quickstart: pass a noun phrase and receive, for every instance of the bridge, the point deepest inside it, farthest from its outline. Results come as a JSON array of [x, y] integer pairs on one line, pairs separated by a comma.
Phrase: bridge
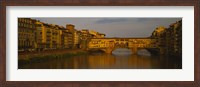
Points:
[[134, 44]]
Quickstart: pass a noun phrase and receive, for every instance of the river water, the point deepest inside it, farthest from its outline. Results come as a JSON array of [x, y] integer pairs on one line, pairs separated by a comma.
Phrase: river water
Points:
[[119, 59]]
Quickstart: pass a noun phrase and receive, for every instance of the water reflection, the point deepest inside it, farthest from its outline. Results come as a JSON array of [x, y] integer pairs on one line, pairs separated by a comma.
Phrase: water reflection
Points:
[[122, 52], [144, 52], [107, 61]]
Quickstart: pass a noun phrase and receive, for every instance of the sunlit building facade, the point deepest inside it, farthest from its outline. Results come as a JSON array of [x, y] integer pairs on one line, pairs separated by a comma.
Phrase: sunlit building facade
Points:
[[40, 36], [67, 37], [48, 36], [160, 35], [26, 34]]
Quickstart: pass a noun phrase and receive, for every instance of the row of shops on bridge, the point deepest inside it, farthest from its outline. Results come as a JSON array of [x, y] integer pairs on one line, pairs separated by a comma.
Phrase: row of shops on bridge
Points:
[[122, 43]]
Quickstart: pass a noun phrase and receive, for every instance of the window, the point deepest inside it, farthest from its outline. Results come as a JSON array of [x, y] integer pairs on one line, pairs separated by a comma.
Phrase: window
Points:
[[23, 25], [22, 44]]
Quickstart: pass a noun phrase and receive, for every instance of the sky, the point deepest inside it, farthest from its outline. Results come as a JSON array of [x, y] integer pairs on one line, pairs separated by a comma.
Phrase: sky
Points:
[[115, 27]]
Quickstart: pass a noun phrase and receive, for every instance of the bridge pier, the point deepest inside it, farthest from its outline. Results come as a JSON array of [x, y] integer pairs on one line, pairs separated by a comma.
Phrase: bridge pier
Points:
[[108, 51], [134, 50]]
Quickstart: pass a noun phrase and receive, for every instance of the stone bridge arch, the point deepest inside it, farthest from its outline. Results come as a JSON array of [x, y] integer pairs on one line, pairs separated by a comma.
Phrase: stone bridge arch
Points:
[[110, 50]]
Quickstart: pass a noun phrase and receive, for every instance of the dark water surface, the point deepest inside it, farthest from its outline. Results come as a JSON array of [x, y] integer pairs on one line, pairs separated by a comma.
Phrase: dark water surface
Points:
[[120, 59]]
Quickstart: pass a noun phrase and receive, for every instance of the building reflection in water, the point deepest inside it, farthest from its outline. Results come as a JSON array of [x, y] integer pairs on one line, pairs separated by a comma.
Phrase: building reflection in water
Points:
[[117, 60]]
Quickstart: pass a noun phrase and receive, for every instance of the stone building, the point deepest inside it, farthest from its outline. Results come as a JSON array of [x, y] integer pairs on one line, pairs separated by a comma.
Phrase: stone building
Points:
[[75, 35], [26, 34], [169, 40], [67, 37], [174, 39], [159, 34], [48, 36], [39, 36]]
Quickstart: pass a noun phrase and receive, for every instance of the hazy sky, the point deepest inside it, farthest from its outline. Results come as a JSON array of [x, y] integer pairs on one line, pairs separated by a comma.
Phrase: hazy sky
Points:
[[115, 27]]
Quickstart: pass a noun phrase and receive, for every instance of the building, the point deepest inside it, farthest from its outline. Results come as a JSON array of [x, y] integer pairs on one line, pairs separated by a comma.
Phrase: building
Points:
[[75, 35], [96, 34], [58, 34], [26, 34], [174, 39], [67, 37], [39, 36], [159, 34], [77, 39], [101, 35], [85, 34], [85, 38], [169, 40], [48, 36]]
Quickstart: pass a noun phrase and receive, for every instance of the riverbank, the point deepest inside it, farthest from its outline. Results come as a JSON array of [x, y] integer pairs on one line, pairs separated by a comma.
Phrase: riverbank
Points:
[[32, 57]]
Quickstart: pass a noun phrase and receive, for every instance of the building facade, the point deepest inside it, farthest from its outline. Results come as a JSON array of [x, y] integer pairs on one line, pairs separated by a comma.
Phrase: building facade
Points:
[[26, 34], [174, 38], [169, 39], [67, 39], [159, 34]]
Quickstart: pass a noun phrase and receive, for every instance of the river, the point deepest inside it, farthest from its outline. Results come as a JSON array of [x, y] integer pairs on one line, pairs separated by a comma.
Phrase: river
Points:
[[119, 59]]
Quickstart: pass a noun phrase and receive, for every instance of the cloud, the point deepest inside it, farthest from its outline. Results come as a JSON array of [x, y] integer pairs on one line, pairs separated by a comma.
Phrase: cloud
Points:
[[110, 20]]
